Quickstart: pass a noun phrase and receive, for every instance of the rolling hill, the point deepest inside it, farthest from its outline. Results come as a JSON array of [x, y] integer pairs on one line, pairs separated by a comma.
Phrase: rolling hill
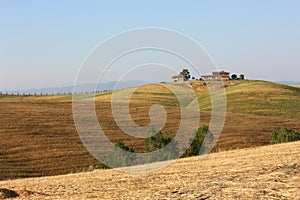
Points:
[[259, 98], [39, 138]]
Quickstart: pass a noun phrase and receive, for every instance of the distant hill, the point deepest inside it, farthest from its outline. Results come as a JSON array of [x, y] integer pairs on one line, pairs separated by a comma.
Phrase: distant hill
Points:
[[108, 86], [289, 82]]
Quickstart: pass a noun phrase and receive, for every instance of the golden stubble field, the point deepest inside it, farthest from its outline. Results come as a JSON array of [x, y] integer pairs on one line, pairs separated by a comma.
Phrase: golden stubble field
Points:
[[39, 138], [269, 172]]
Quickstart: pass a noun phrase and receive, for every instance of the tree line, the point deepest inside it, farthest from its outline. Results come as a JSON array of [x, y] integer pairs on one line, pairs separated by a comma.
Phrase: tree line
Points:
[[53, 93], [119, 158]]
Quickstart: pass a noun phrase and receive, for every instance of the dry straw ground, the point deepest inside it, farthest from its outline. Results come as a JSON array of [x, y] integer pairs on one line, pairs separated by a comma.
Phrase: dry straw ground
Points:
[[269, 172]]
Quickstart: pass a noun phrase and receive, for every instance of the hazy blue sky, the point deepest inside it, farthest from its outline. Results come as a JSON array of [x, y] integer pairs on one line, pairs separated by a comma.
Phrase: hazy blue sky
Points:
[[42, 43]]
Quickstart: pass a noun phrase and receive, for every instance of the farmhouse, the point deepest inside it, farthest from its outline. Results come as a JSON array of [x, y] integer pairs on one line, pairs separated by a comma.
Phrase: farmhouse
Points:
[[224, 76], [179, 78]]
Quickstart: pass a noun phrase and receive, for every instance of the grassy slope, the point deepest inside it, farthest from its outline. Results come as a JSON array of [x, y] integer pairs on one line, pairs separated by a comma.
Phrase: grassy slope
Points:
[[259, 98], [38, 136]]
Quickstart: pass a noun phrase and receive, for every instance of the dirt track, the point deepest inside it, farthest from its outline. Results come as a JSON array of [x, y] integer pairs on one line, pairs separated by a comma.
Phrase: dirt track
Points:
[[270, 172]]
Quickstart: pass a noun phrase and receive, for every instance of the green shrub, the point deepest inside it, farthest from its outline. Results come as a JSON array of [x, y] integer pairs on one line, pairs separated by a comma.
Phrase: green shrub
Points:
[[284, 135], [156, 143], [120, 156], [197, 141]]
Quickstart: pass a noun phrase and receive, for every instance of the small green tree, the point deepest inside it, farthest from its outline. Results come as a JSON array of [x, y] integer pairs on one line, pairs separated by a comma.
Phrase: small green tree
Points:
[[196, 143], [234, 76], [120, 156], [242, 76], [284, 135], [157, 143]]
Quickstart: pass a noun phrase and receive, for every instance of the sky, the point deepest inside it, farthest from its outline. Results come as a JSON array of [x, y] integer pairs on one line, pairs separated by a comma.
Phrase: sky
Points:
[[43, 43]]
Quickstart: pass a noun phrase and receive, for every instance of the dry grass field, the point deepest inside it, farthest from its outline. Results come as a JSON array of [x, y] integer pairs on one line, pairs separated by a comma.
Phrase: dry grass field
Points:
[[38, 135], [269, 172]]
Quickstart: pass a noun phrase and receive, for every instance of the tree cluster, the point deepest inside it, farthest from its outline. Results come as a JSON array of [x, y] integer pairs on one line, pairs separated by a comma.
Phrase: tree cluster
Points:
[[159, 147], [236, 77]]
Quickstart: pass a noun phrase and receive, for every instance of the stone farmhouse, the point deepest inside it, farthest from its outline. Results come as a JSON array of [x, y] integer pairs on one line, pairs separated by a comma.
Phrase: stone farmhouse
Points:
[[224, 76], [179, 78]]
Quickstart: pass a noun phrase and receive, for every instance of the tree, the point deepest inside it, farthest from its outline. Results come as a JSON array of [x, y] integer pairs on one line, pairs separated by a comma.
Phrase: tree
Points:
[[242, 76], [197, 141], [233, 76], [121, 156], [186, 74], [157, 142]]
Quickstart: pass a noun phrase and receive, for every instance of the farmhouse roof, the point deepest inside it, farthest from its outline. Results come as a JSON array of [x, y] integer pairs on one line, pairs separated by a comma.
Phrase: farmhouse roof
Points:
[[221, 72], [178, 76]]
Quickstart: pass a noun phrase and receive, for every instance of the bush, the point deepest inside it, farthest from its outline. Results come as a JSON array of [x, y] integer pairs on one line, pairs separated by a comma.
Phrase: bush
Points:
[[157, 142], [234, 76], [284, 135], [196, 143], [118, 157]]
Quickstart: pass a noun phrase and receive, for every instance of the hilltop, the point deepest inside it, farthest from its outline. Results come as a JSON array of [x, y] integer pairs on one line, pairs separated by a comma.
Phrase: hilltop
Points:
[[260, 98], [270, 172], [39, 138]]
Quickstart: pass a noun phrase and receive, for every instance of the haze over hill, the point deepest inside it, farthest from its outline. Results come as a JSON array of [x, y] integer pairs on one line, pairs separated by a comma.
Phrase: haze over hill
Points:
[[108, 86], [289, 82]]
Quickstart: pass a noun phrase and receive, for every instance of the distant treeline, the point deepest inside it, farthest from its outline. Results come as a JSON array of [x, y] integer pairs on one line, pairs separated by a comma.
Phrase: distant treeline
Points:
[[53, 94]]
